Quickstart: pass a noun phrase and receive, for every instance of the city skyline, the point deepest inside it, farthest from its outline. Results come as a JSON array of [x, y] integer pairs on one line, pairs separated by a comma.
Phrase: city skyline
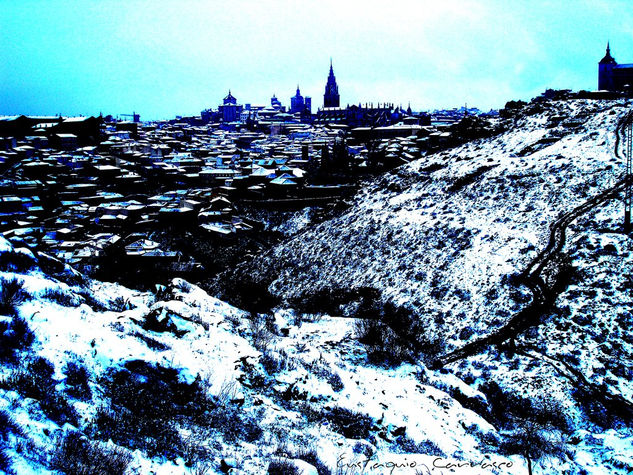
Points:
[[162, 59]]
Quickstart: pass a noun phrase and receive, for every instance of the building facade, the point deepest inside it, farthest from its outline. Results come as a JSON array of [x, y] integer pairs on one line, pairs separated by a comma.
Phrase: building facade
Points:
[[612, 76], [299, 104], [368, 115], [275, 103], [296, 102], [230, 110]]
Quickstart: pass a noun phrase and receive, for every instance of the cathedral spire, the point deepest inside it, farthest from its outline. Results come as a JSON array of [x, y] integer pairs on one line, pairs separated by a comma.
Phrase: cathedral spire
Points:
[[608, 59], [331, 97]]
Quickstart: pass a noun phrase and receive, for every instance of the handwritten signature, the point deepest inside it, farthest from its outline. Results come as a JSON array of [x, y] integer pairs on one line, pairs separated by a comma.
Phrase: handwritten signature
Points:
[[439, 464]]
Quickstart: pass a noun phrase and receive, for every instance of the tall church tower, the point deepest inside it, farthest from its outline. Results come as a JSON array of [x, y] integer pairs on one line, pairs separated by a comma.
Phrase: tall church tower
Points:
[[331, 97], [605, 72]]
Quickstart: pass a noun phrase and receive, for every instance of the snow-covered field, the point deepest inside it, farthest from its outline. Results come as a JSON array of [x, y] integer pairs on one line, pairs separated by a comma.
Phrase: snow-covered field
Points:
[[176, 381], [298, 387]]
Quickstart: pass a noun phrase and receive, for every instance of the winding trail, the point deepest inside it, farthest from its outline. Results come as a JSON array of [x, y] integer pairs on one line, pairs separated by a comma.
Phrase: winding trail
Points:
[[543, 299], [543, 295]]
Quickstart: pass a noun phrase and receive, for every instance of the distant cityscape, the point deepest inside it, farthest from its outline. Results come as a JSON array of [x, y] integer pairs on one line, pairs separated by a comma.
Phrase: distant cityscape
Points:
[[233, 115], [92, 191]]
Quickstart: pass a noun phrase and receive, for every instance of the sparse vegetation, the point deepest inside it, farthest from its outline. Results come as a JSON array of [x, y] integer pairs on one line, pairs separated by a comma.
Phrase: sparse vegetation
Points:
[[351, 424], [35, 381], [76, 455], [532, 428], [62, 297], [147, 402], [90, 300], [159, 320], [312, 457], [15, 335], [8, 425], [533, 441], [261, 325], [77, 381], [280, 466], [322, 369], [274, 361], [334, 301], [247, 293], [120, 304], [144, 402], [152, 343], [505, 408], [395, 334], [426, 447], [383, 345], [12, 294], [5, 461], [13, 261]]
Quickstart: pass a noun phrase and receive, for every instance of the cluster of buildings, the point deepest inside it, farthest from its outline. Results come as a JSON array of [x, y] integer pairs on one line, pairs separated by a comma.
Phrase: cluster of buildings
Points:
[[91, 190], [231, 114], [112, 188]]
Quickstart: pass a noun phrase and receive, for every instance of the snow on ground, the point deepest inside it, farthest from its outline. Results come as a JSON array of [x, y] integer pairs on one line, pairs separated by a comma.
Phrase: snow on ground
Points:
[[321, 369], [424, 240], [443, 236]]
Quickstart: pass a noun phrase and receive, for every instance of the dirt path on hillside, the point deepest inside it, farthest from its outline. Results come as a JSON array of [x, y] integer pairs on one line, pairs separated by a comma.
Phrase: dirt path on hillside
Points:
[[545, 294]]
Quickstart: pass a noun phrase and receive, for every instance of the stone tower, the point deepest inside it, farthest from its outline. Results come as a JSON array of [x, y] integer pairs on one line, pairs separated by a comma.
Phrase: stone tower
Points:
[[605, 72], [331, 97]]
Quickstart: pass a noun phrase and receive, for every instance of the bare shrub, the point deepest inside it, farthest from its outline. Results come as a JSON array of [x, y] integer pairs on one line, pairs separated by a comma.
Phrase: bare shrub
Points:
[[120, 304], [351, 424], [8, 425], [262, 335], [77, 455], [14, 336], [533, 426], [162, 293], [534, 442], [280, 466], [5, 462], [426, 447], [61, 297], [77, 381], [195, 450], [311, 456], [320, 368], [36, 382], [12, 294], [394, 334], [275, 361], [149, 405], [383, 345]]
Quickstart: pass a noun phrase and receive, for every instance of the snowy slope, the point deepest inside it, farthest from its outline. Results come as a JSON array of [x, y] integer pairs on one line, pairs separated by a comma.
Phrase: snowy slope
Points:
[[426, 237], [289, 389], [447, 236], [176, 381]]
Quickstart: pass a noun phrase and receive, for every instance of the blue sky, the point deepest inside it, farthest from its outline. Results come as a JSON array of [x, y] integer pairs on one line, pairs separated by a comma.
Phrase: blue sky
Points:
[[165, 58]]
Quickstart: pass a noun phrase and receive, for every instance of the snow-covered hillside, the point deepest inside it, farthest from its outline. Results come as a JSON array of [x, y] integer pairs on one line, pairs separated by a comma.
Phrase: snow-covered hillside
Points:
[[447, 237], [97, 378], [445, 232]]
